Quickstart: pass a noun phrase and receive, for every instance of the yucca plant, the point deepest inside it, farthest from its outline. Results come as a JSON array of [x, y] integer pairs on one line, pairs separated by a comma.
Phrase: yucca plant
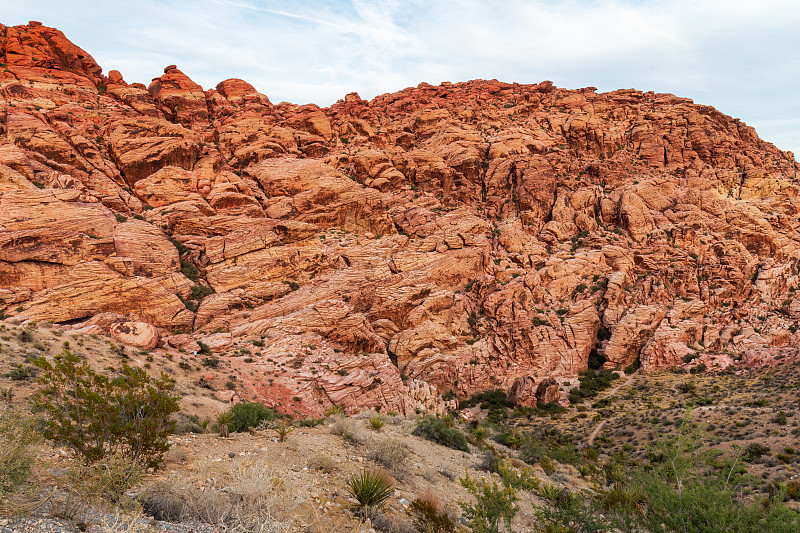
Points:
[[335, 410], [282, 429], [549, 492], [223, 419], [377, 422], [371, 488]]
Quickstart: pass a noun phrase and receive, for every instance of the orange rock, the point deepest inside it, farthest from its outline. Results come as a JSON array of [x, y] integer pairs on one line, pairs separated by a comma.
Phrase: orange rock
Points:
[[137, 334], [476, 235]]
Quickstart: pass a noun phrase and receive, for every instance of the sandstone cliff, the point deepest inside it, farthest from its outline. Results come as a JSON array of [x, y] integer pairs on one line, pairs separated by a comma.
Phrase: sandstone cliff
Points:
[[449, 238]]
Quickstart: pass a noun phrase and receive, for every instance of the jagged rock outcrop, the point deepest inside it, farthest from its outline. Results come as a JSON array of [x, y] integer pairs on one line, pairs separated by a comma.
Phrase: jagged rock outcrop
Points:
[[449, 238]]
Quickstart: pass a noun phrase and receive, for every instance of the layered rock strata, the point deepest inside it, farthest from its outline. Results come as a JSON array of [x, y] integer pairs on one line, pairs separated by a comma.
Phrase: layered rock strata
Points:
[[451, 238]]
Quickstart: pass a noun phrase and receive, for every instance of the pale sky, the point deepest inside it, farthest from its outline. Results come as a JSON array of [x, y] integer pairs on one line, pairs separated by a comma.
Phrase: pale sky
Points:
[[742, 57]]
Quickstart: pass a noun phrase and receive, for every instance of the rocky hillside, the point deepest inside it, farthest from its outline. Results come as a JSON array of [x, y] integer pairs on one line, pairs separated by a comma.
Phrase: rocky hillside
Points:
[[441, 239]]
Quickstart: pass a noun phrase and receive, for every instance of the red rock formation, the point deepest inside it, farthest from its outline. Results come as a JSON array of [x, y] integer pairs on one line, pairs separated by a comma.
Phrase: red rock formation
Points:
[[450, 238]]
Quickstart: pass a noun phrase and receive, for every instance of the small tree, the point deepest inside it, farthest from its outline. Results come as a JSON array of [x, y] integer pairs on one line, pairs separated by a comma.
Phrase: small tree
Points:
[[97, 416]]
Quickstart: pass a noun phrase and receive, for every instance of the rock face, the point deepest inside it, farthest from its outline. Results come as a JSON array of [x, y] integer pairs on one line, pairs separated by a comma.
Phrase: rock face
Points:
[[450, 238]]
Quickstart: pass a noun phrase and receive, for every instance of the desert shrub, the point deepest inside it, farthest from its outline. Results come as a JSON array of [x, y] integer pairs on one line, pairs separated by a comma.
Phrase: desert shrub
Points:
[[686, 488], [510, 437], [19, 441], [489, 461], [190, 424], [107, 479], [550, 408], [348, 430], [539, 321], [689, 357], [478, 435], [549, 444], [754, 450], [22, 373], [436, 430], [199, 292], [490, 399], [633, 367], [371, 488], [390, 453], [252, 498], [494, 505], [793, 490], [189, 270], [623, 497], [518, 478], [248, 415], [570, 512], [591, 383], [309, 422], [179, 245], [324, 463], [390, 523], [96, 416], [532, 449], [698, 369], [427, 515], [596, 360]]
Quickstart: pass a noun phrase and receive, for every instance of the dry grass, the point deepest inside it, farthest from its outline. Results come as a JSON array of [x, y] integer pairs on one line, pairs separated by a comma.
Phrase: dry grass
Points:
[[390, 453], [247, 497], [349, 430], [324, 463], [19, 445]]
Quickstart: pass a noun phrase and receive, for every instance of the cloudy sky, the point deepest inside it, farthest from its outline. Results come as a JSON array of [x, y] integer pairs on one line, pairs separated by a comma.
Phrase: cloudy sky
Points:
[[742, 57]]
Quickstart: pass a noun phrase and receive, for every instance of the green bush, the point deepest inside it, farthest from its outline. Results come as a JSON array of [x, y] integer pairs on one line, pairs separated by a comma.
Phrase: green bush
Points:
[[510, 437], [436, 430], [97, 416], [532, 449], [551, 444], [199, 292], [180, 246], [539, 321], [687, 488], [570, 512], [495, 401], [591, 383], [189, 270], [754, 451], [249, 415], [697, 369], [494, 505], [490, 399]]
